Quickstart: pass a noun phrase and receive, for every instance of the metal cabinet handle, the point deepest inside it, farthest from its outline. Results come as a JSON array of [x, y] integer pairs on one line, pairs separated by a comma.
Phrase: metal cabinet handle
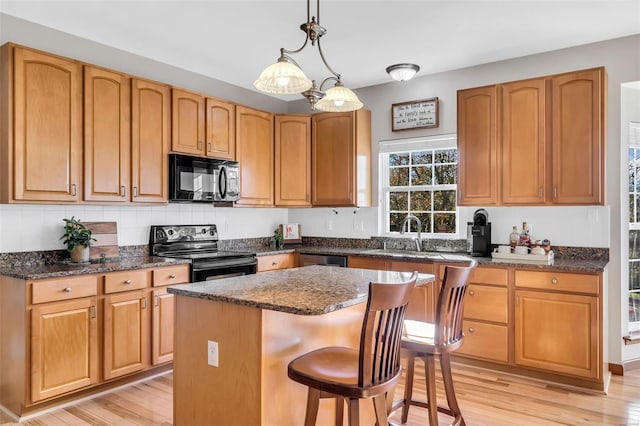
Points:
[[172, 276], [92, 311], [135, 191], [123, 191], [471, 330], [127, 282], [74, 189], [274, 263], [156, 300], [67, 290], [209, 146], [471, 292], [144, 302], [554, 280], [199, 144]]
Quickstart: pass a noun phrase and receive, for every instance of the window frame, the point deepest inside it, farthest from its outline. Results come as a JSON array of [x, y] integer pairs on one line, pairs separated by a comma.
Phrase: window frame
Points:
[[634, 144], [388, 147]]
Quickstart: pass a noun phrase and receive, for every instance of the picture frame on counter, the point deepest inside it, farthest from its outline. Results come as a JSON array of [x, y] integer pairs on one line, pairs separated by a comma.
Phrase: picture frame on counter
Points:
[[419, 114]]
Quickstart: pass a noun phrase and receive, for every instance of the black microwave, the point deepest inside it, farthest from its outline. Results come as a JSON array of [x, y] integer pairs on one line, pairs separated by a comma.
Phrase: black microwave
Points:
[[199, 179]]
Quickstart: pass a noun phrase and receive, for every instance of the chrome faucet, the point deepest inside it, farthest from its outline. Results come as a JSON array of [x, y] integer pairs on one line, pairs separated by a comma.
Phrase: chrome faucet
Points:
[[418, 239]]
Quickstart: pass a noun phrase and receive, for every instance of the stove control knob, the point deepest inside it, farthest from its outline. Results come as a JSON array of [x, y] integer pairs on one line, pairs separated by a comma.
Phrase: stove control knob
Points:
[[204, 231], [170, 232]]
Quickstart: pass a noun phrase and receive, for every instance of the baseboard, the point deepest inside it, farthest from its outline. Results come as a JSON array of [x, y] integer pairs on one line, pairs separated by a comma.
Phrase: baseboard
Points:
[[620, 369], [9, 414]]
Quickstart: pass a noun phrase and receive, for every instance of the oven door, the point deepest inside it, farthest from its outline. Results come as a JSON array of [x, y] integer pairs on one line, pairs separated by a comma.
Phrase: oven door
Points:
[[223, 268], [191, 178]]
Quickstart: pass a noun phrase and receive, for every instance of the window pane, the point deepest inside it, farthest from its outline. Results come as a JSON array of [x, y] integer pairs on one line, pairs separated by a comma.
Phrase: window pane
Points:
[[398, 201], [444, 223], [395, 220], [634, 244], [445, 175], [446, 156], [420, 200], [631, 169], [634, 307], [399, 176], [421, 175], [637, 208], [444, 200], [399, 159], [422, 157], [425, 219], [631, 212], [636, 179], [634, 275]]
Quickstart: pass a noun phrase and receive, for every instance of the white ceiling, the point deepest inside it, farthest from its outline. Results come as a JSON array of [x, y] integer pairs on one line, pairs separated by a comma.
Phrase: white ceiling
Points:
[[234, 41]]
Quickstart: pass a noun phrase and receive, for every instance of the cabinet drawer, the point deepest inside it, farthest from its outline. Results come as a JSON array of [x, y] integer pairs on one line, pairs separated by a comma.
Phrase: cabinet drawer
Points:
[[487, 341], [486, 303], [579, 283], [171, 275], [367, 263], [124, 281], [276, 261], [480, 275], [63, 289]]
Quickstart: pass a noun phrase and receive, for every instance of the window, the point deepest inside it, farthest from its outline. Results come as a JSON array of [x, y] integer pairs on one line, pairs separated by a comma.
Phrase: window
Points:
[[418, 177], [634, 226]]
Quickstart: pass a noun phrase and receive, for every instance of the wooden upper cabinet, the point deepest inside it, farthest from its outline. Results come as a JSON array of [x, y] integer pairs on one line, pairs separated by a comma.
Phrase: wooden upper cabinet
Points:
[[150, 119], [578, 137], [524, 128], [293, 160], [188, 122], [341, 159], [254, 151], [107, 135], [47, 127], [220, 129], [478, 146]]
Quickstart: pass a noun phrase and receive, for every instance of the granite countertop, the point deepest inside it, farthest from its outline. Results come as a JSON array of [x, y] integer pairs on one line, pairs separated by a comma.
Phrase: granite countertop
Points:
[[310, 290], [559, 264], [40, 271]]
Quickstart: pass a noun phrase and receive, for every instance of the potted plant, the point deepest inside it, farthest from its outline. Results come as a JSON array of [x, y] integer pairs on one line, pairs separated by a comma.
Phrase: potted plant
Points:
[[78, 239]]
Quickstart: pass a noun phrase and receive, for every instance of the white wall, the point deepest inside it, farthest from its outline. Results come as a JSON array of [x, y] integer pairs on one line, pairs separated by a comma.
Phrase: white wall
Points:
[[39, 227]]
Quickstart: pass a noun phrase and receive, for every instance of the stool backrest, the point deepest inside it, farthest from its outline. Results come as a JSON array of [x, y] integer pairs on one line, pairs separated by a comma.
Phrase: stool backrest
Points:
[[448, 324], [382, 331]]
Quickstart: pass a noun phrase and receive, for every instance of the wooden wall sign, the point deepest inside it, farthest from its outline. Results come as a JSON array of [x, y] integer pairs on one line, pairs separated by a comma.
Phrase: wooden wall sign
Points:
[[414, 115]]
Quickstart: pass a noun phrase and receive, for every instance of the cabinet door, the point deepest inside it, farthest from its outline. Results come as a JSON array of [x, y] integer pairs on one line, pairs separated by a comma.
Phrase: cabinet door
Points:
[[126, 334], [558, 332], [524, 139], [187, 122], [423, 299], [47, 127], [333, 157], [151, 115], [578, 137], [162, 320], [293, 160], [478, 146], [107, 136], [64, 347], [221, 129], [254, 151]]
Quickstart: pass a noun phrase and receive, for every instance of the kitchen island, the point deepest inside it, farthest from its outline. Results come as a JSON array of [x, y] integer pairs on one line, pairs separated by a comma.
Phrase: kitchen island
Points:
[[259, 324]]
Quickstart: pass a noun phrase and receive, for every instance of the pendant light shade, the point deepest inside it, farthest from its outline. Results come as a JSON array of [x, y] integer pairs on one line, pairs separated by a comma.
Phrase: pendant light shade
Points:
[[286, 76], [339, 99], [402, 72], [282, 78]]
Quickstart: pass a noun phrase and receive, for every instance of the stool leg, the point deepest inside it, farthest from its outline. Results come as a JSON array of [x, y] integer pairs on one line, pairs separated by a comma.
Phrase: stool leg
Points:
[[313, 400], [380, 406], [339, 411], [408, 387], [354, 412], [447, 378], [430, 373]]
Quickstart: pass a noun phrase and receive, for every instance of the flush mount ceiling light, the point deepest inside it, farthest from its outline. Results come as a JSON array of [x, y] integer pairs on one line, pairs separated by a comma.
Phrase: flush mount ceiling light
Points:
[[402, 72], [286, 76]]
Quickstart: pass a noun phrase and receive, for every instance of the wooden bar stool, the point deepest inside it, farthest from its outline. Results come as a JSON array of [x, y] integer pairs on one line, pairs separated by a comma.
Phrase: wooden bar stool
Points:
[[371, 371], [426, 340]]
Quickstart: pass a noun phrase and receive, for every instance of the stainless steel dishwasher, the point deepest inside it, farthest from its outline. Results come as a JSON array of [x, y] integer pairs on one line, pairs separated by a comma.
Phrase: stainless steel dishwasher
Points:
[[319, 259]]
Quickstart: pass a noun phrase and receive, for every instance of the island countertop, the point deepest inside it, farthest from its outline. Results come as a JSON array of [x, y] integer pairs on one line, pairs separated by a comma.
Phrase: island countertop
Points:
[[310, 290]]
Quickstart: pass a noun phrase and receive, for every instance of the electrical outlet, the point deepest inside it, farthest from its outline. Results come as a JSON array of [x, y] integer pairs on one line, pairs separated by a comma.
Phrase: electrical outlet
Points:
[[329, 225], [212, 353]]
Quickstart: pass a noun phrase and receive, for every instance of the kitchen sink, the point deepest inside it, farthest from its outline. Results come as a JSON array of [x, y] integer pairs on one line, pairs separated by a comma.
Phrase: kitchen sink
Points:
[[406, 253]]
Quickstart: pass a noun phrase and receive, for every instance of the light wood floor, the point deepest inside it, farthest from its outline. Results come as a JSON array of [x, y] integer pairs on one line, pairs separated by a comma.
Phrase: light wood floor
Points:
[[485, 397]]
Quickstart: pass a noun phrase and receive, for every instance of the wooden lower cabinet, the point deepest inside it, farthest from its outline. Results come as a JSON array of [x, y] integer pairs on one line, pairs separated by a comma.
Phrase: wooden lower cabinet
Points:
[[558, 332], [485, 340], [276, 261], [162, 319], [64, 347]]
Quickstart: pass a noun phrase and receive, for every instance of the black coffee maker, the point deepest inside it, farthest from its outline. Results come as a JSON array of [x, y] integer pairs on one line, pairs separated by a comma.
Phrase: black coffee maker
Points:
[[479, 234]]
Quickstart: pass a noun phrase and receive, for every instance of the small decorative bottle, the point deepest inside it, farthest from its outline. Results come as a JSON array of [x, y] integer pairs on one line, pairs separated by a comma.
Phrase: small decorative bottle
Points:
[[525, 238], [514, 237]]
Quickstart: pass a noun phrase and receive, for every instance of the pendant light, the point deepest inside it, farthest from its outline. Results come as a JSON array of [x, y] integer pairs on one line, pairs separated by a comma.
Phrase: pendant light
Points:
[[287, 77]]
